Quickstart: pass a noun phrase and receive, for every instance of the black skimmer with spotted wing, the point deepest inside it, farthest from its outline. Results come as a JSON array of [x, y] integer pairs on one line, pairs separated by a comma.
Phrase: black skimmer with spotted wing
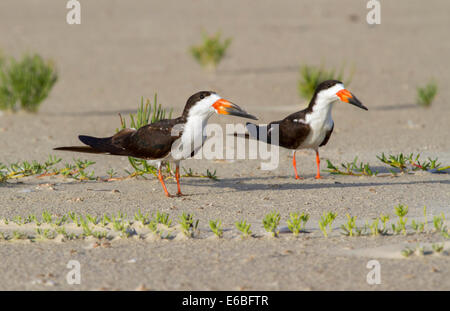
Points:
[[310, 128], [166, 140]]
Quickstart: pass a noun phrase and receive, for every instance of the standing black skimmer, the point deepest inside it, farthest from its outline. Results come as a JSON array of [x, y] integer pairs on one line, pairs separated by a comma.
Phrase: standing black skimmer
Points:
[[166, 140], [310, 128]]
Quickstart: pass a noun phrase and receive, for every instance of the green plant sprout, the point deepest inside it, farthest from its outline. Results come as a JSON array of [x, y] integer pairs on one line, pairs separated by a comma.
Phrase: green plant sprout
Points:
[[190, 173], [211, 51], [144, 219], [406, 252], [146, 114], [401, 211], [426, 94], [325, 223], [26, 83], [350, 228], [216, 227], [438, 222], [297, 222], [312, 76], [163, 219], [374, 228], [405, 163], [438, 248], [271, 222], [351, 168], [188, 225], [244, 228]]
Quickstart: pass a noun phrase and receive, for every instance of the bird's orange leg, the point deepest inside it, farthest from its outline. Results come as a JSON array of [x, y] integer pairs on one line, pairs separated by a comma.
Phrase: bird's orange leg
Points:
[[318, 165], [161, 179], [177, 177], [294, 164]]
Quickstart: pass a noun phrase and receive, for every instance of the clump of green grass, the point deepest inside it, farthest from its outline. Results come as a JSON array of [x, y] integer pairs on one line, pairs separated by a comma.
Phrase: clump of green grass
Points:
[[406, 252], [438, 223], [401, 211], [271, 222], [216, 227], [406, 163], [244, 228], [146, 114], [211, 51], [297, 222], [426, 94], [326, 221], [24, 84], [188, 225], [351, 168], [312, 76], [438, 248]]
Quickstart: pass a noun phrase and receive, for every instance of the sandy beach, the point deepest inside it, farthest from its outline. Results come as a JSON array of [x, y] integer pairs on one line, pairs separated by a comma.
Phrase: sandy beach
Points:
[[125, 50]]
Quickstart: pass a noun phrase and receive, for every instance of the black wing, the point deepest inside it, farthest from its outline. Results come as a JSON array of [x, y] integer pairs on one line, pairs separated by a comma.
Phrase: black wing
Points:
[[292, 130], [325, 141]]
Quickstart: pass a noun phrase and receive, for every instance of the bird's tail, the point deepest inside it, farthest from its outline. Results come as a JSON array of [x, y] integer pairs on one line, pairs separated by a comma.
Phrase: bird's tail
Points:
[[255, 131], [109, 145]]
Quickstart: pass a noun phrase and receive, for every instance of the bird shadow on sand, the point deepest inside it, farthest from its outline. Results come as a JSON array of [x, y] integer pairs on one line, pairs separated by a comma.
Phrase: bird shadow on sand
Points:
[[248, 184]]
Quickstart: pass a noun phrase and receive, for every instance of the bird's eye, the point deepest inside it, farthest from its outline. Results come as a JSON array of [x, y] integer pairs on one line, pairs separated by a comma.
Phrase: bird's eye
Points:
[[202, 96]]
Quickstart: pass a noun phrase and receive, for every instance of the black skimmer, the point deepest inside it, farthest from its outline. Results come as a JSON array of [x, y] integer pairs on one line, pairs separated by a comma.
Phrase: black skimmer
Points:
[[310, 128], [166, 140]]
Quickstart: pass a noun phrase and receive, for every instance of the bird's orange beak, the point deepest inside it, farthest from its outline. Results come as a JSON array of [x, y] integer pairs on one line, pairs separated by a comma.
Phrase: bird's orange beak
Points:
[[223, 106], [347, 97]]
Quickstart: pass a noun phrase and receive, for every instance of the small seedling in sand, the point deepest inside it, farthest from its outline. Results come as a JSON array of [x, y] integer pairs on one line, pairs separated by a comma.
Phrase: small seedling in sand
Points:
[[297, 222], [190, 173], [46, 217], [418, 226], [188, 225], [374, 229], [426, 94], [111, 173], [163, 219], [211, 51], [244, 228], [153, 226], [146, 114], [144, 219], [326, 221], [438, 222], [216, 227], [271, 222], [312, 76], [99, 234], [45, 234], [17, 235], [26, 83], [384, 219], [401, 211], [438, 248], [350, 228], [105, 220], [406, 252], [351, 168]]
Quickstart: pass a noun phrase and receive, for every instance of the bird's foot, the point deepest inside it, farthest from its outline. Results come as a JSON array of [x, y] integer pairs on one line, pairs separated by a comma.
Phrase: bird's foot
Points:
[[298, 177], [179, 194], [318, 177]]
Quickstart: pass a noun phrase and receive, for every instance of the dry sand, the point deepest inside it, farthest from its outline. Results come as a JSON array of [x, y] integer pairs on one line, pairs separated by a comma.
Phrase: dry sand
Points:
[[125, 50]]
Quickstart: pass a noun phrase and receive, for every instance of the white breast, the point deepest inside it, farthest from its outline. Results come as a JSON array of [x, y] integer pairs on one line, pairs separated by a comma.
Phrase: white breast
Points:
[[320, 123]]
